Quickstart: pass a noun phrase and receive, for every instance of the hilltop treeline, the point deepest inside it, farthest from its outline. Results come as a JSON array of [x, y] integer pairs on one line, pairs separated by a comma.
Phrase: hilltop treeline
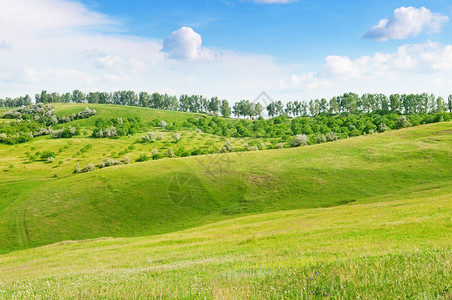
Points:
[[348, 104]]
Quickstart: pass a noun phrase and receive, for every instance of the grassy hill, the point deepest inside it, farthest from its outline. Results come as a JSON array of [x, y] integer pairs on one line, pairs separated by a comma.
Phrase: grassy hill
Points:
[[398, 247], [172, 194], [364, 217]]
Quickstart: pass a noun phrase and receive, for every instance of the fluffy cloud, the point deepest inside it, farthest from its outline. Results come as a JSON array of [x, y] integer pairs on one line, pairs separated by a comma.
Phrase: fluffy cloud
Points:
[[186, 44], [407, 22], [416, 58], [310, 81]]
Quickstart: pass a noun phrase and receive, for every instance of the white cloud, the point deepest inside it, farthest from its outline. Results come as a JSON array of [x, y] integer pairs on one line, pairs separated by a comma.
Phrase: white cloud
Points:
[[310, 81], [186, 44], [407, 22], [64, 54], [415, 58]]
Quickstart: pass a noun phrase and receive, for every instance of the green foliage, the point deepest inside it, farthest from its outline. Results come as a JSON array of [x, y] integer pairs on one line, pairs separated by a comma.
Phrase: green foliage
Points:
[[142, 157], [117, 127], [47, 154]]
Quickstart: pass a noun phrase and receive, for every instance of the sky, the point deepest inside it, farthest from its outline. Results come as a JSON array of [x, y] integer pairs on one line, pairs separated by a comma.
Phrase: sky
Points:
[[232, 49]]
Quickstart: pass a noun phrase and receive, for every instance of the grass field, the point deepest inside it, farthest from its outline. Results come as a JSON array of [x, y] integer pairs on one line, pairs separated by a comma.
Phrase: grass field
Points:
[[398, 248], [365, 217]]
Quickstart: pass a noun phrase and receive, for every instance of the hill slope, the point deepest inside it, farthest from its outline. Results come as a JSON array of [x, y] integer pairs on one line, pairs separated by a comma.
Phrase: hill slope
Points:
[[397, 248], [173, 194]]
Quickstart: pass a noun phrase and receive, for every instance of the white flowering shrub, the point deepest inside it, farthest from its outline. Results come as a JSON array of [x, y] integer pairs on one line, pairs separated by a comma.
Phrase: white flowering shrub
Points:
[[279, 146], [402, 122], [300, 140], [176, 137], [321, 138], [170, 153], [383, 127], [88, 168], [227, 147], [149, 137], [163, 124], [331, 137]]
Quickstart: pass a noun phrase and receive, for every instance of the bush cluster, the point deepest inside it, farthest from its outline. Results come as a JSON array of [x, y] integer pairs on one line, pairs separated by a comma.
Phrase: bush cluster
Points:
[[88, 168], [36, 120], [109, 128], [109, 162]]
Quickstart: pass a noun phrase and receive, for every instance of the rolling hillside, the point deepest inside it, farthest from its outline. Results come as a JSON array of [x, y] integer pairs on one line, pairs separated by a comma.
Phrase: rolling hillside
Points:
[[364, 217], [386, 247], [44, 203]]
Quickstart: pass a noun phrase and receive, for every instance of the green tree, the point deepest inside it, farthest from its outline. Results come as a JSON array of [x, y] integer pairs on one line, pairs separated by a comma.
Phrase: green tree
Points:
[[225, 109]]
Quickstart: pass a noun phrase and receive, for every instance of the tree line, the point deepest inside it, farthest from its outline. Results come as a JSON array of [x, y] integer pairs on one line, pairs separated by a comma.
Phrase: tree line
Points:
[[346, 104]]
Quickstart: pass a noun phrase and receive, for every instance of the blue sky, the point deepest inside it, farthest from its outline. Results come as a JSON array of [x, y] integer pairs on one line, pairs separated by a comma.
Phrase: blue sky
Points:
[[294, 50]]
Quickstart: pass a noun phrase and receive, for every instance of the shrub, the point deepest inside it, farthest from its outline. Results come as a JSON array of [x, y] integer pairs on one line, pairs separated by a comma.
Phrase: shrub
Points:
[[107, 132], [163, 124], [46, 154], [157, 156], [125, 160], [176, 137], [383, 127], [252, 148], [160, 136], [170, 153], [50, 159], [67, 132], [331, 137], [149, 137], [402, 122], [88, 168], [227, 148], [108, 162], [321, 138], [142, 157], [300, 140], [279, 146]]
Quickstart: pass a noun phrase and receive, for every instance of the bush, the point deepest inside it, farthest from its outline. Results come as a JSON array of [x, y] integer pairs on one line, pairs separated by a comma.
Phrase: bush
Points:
[[108, 162], [50, 159], [383, 127], [321, 138], [402, 122], [107, 132], [88, 168], [227, 148], [64, 133], [331, 137], [300, 140], [163, 124], [149, 137], [279, 146], [170, 153], [142, 157], [157, 156], [176, 137], [47, 154]]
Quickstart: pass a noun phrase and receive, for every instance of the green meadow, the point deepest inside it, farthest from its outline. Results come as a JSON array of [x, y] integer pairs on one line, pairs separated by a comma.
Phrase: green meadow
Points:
[[367, 217]]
